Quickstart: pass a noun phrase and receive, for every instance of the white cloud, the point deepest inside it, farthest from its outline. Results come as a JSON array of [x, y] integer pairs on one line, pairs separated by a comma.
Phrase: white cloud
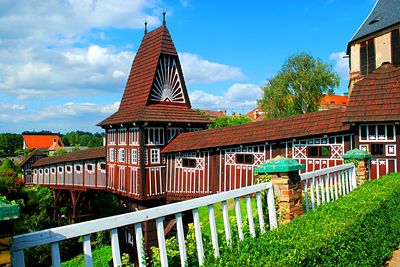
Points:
[[238, 97], [198, 70], [7, 106], [341, 64]]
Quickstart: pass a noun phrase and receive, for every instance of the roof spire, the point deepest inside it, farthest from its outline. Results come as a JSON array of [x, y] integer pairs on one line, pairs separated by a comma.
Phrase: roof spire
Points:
[[145, 26], [163, 21]]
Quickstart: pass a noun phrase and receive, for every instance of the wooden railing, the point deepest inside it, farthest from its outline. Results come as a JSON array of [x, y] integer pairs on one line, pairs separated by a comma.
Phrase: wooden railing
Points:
[[55, 235], [328, 184]]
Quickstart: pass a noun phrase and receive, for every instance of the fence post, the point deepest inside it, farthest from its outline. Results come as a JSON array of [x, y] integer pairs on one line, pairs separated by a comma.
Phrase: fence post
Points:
[[360, 159], [285, 178]]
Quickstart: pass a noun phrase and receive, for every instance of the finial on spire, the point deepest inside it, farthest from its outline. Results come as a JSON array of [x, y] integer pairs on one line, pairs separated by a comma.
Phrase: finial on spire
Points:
[[145, 26], [163, 21]]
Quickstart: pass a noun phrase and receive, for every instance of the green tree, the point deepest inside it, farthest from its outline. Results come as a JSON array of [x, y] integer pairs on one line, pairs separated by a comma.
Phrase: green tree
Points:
[[298, 87], [10, 144], [59, 152], [229, 121]]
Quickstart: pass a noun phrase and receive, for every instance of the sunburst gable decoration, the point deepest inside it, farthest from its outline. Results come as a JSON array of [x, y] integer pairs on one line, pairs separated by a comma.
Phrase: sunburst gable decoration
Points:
[[167, 86]]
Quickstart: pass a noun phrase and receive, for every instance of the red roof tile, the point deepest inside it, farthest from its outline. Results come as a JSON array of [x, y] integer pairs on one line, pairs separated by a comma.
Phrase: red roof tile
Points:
[[42, 141], [376, 97], [334, 100], [87, 154], [309, 124], [135, 105]]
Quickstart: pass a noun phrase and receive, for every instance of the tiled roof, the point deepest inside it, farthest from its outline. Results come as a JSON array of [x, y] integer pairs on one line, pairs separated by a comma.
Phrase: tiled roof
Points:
[[41, 141], [87, 154], [384, 14], [135, 105], [214, 113], [309, 124], [376, 97], [36, 152]]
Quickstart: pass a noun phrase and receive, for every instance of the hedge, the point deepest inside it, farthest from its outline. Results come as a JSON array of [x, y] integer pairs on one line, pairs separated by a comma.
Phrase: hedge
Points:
[[360, 229]]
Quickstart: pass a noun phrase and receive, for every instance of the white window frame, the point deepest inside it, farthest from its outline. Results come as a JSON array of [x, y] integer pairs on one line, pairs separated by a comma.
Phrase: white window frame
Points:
[[387, 150], [41, 171], [172, 132], [121, 155], [155, 131], [60, 169], [99, 167], [376, 137], [75, 168], [155, 156], [133, 136], [366, 148], [122, 136], [46, 171], [90, 164], [134, 156], [111, 136], [112, 154], [35, 171], [68, 167], [53, 170]]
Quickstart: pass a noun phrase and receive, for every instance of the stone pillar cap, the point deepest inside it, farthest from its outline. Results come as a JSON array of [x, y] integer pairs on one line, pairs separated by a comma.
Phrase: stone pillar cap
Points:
[[280, 164], [356, 154]]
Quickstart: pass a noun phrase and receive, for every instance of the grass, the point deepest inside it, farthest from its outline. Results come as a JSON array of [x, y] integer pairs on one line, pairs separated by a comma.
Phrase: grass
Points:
[[101, 257]]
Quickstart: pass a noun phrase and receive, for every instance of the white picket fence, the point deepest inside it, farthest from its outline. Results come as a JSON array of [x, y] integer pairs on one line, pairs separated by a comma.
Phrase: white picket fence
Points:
[[55, 235], [328, 184]]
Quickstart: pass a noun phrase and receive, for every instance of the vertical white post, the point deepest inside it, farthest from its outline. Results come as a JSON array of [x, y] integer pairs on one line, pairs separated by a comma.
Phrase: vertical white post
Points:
[[115, 247], [213, 229], [87, 251], [260, 212], [327, 187], [17, 258], [336, 181], [273, 223], [343, 185], [306, 194], [317, 189], [139, 244], [181, 238], [312, 192], [321, 179], [250, 216], [239, 218], [161, 241], [55, 255], [226, 222], [199, 240], [331, 181]]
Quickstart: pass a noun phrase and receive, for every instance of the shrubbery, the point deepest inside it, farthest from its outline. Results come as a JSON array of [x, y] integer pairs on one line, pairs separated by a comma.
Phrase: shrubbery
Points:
[[360, 229]]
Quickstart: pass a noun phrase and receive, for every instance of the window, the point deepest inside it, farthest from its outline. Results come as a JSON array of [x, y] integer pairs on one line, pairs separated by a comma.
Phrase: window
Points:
[[395, 45], [134, 156], [244, 158], [78, 168], [46, 171], [34, 171], [172, 132], [154, 136], [122, 136], [319, 151], [367, 57], [112, 154], [111, 136], [134, 136], [102, 166], [377, 133], [69, 169], [41, 171], [377, 150], [121, 155], [154, 156], [89, 167], [189, 163], [53, 170], [60, 169]]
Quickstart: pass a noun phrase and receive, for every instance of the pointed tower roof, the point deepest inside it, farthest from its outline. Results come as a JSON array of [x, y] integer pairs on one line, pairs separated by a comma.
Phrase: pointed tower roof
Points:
[[155, 90]]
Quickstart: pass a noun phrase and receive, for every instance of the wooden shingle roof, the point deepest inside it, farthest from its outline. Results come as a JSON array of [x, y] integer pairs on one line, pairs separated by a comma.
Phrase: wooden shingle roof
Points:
[[309, 124], [87, 154], [135, 104], [376, 97]]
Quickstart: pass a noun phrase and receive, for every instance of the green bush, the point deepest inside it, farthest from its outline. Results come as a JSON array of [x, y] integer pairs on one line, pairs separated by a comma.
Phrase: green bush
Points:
[[360, 229]]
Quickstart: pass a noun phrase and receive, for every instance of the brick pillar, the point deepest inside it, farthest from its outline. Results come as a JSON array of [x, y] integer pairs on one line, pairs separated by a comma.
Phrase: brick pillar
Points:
[[288, 195], [285, 178], [362, 174]]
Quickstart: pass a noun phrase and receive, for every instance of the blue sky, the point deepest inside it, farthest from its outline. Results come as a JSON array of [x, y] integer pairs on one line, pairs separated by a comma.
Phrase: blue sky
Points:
[[64, 64]]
